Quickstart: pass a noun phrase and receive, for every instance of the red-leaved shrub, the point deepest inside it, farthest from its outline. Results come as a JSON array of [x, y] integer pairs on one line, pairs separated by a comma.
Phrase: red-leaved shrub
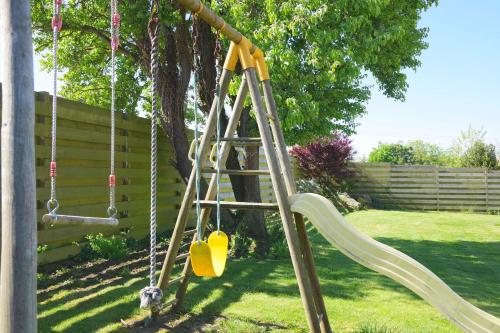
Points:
[[326, 160]]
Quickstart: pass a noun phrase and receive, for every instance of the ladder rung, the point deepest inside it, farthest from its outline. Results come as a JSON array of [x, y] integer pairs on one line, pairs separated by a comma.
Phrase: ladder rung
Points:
[[189, 232], [239, 205], [243, 141], [177, 279], [239, 172], [181, 256]]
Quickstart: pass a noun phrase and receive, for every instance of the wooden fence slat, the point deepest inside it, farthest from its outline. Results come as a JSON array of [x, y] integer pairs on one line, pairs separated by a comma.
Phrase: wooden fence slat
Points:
[[420, 186]]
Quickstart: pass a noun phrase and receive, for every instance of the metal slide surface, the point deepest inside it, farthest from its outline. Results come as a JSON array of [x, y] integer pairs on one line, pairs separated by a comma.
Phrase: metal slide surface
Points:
[[391, 263]]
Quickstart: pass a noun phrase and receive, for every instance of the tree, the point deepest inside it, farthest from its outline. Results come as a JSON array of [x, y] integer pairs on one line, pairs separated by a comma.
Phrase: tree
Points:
[[319, 53], [467, 139], [395, 153], [429, 154], [480, 155]]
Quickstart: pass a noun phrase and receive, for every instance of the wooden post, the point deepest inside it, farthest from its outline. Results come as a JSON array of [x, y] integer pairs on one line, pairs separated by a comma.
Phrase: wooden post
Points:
[[282, 200], [286, 167], [18, 264]]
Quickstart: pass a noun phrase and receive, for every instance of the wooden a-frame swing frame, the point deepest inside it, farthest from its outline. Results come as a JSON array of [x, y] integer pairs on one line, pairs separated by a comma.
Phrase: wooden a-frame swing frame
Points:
[[255, 69]]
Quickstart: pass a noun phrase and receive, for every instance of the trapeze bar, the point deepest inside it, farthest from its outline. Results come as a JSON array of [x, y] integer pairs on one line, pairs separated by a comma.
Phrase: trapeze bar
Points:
[[76, 220]]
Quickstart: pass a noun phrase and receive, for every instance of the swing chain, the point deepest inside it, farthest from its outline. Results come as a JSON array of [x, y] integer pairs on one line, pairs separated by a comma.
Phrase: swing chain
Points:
[[151, 296], [52, 203]]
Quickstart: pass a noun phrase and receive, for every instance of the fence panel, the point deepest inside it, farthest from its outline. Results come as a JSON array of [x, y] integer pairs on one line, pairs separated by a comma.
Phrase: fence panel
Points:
[[429, 187]]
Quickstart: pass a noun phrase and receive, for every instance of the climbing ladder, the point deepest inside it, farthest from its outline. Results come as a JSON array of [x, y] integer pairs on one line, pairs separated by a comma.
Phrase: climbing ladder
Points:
[[271, 138]]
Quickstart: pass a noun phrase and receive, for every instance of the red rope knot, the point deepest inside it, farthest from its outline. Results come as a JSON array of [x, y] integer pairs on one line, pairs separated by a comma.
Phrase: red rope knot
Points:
[[116, 20], [53, 169], [57, 22], [112, 181], [115, 42]]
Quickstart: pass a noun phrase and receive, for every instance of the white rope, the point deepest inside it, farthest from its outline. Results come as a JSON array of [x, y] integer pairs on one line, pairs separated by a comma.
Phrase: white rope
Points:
[[52, 204], [197, 165], [151, 296], [154, 152], [115, 35], [218, 143]]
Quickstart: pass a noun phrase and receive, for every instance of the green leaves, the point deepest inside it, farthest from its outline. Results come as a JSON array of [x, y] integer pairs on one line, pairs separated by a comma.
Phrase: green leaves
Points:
[[319, 53]]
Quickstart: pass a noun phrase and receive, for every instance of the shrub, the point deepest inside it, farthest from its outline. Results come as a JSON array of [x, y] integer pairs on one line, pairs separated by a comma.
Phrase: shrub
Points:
[[113, 247], [479, 155], [395, 153], [326, 160], [341, 200]]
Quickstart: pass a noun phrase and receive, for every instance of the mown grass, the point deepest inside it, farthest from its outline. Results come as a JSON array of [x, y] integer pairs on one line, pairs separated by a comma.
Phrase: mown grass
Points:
[[262, 296]]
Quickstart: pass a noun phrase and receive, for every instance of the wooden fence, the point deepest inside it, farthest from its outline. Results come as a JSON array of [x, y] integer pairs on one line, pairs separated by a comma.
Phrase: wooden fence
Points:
[[83, 135], [429, 187]]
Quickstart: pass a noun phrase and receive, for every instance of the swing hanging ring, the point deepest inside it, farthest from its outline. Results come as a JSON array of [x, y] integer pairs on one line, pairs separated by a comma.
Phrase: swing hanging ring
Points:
[[52, 206], [112, 211]]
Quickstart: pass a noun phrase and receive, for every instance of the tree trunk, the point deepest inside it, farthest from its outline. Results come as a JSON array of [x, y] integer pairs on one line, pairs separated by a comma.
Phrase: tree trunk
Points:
[[248, 189]]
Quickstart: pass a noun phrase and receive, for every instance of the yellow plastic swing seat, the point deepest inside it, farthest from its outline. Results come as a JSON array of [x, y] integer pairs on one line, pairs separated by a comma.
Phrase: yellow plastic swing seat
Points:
[[209, 258]]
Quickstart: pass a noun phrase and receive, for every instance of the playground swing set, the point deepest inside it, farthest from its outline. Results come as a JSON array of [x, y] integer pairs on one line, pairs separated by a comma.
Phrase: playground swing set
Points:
[[209, 258]]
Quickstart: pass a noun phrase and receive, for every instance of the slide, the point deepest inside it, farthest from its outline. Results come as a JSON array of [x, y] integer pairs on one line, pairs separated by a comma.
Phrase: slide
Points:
[[392, 263]]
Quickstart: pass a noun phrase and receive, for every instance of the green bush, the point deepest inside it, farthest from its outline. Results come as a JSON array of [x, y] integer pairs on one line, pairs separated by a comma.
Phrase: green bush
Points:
[[479, 155], [278, 246], [395, 153], [114, 247]]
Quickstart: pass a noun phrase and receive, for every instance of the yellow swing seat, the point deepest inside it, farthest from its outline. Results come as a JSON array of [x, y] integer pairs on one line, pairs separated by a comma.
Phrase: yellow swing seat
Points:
[[209, 258]]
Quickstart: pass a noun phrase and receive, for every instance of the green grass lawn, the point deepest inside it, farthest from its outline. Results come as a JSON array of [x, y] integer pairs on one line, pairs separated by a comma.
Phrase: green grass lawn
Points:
[[262, 296]]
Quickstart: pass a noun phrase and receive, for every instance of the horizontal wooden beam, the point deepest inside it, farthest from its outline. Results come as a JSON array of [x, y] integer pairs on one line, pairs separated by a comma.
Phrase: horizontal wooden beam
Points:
[[79, 220], [239, 205]]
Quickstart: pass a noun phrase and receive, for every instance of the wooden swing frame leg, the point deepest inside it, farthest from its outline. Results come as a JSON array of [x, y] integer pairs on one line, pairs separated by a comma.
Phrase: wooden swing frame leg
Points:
[[305, 245], [282, 200]]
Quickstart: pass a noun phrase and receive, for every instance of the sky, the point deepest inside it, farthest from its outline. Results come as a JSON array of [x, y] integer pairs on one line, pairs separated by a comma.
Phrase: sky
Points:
[[457, 85]]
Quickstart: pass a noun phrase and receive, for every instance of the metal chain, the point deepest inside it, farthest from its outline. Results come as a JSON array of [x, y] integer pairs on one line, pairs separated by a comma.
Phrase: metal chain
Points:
[[52, 204], [197, 165], [115, 42]]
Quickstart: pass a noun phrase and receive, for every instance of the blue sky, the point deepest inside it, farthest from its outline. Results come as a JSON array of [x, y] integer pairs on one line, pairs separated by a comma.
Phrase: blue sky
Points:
[[458, 83]]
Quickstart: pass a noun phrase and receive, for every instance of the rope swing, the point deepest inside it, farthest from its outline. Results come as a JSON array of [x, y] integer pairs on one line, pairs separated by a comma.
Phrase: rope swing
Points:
[[52, 217], [208, 258], [151, 296]]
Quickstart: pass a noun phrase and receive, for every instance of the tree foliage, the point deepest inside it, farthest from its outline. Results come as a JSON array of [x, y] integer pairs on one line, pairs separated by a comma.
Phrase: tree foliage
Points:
[[395, 153], [319, 52], [480, 155], [326, 160]]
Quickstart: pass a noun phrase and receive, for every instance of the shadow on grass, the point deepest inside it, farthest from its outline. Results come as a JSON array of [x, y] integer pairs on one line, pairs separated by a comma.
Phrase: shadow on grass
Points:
[[472, 269]]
